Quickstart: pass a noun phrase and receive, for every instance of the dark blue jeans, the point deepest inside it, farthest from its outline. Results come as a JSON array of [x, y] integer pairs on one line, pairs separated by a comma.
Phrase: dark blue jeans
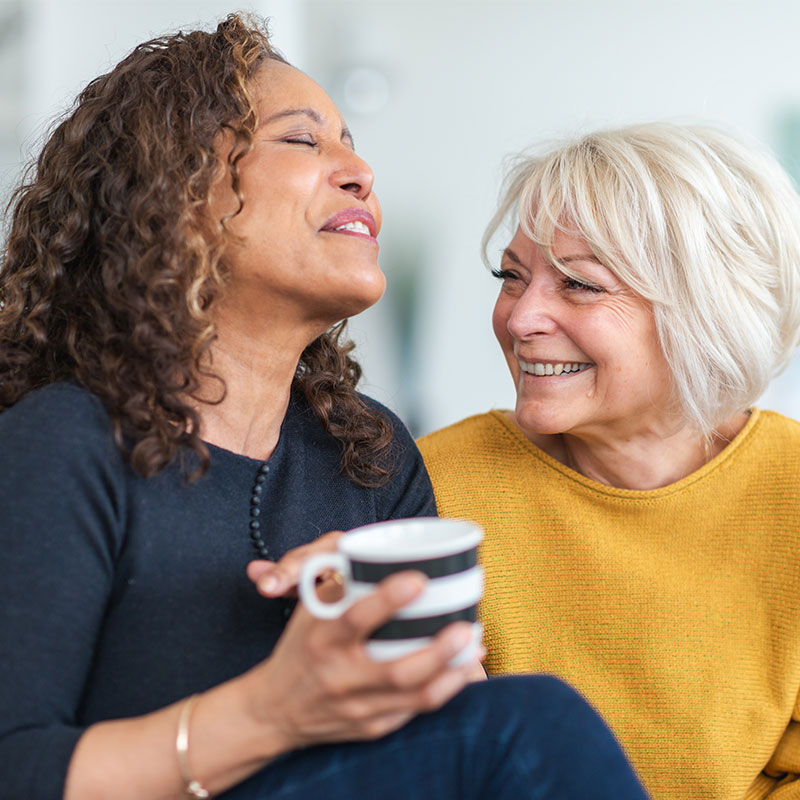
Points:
[[518, 737]]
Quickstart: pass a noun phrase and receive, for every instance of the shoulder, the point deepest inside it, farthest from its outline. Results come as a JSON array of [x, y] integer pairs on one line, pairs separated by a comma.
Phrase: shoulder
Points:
[[404, 448], [398, 426], [408, 493], [61, 422], [775, 422], [71, 403], [483, 431], [777, 436]]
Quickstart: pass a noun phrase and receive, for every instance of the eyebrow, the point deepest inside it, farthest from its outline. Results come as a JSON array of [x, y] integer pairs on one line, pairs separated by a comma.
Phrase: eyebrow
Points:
[[581, 257], [512, 256], [312, 114]]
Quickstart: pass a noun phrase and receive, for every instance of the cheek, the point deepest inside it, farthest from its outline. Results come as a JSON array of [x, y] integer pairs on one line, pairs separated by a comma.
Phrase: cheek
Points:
[[500, 316], [375, 209]]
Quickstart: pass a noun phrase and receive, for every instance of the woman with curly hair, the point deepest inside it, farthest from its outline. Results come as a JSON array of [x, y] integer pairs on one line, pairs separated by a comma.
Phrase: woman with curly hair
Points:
[[178, 408]]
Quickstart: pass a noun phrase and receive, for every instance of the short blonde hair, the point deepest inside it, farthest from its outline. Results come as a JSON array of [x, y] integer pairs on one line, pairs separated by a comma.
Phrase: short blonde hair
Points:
[[704, 227]]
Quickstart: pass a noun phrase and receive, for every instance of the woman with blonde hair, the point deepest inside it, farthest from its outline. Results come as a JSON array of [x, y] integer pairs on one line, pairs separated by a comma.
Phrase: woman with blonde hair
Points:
[[642, 516]]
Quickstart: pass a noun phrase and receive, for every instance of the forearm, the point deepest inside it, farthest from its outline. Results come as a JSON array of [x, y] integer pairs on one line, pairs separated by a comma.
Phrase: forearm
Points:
[[135, 758]]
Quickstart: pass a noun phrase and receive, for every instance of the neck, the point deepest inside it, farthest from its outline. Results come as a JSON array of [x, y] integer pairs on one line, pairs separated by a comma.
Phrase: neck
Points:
[[257, 362], [647, 459]]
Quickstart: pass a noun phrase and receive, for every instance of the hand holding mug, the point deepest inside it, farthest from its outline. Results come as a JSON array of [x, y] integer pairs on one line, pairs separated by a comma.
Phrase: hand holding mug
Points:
[[445, 550]]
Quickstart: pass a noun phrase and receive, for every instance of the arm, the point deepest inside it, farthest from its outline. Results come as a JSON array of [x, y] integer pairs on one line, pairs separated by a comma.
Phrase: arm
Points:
[[62, 526], [236, 728]]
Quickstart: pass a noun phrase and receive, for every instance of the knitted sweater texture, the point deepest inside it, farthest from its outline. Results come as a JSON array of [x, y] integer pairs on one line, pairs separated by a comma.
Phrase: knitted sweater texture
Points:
[[675, 611]]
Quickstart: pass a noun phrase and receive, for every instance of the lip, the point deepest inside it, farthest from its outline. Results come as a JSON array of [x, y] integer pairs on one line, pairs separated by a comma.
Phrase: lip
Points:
[[550, 360], [587, 365], [352, 215]]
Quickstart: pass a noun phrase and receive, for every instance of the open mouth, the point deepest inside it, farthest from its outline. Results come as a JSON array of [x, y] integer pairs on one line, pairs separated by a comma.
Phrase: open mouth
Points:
[[352, 222], [351, 227], [543, 368]]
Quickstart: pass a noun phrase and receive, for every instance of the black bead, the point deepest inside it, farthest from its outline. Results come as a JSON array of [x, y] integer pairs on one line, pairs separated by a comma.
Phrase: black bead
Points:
[[255, 511], [258, 489], [254, 525], [264, 469], [260, 478], [255, 535]]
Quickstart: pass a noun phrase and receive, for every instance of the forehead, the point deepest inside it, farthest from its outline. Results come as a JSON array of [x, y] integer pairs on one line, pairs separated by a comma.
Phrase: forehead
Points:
[[278, 86], [562, 243]]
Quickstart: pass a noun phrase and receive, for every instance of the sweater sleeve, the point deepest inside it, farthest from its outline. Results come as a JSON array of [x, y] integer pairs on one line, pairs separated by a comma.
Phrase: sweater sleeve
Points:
[[61, 502], [781, 776]]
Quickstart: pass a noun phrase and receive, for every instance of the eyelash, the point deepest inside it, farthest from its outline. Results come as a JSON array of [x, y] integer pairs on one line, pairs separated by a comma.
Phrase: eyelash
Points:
[[569, 283], [504, 274], [295, 140], [574, 284]]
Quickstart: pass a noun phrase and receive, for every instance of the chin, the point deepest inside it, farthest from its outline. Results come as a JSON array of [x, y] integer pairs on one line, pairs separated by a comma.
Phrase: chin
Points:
[[535, 421], [365, 293]]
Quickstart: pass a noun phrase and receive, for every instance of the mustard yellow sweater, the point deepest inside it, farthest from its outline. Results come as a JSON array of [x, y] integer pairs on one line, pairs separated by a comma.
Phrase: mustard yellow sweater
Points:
[[675, 611]]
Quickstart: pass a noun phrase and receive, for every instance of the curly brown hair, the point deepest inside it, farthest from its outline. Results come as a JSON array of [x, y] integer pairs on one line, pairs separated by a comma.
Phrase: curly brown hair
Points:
[[109, 269]]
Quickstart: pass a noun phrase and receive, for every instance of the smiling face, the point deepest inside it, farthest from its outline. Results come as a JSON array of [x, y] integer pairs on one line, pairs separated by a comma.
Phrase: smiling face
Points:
[[306, 252], [583, 352]]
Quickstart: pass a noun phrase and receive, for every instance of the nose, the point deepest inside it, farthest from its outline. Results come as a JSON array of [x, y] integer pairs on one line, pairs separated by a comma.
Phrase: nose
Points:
[[353, 175], [533, 314]]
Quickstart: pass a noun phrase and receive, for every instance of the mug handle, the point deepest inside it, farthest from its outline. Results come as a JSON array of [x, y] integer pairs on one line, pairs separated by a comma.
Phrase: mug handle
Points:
[[307, 586]]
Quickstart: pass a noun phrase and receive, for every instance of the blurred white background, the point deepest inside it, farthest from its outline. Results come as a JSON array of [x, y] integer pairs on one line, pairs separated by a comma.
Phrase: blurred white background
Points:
[[437, 93]]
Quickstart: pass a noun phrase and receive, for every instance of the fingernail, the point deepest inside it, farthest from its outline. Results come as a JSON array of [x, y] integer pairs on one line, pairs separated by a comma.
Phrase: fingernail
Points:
[[406, 590], [459, 640], [268, 584]]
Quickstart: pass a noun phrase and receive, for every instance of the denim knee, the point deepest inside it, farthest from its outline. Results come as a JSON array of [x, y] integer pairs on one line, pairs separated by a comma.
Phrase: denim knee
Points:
[[537, 707]]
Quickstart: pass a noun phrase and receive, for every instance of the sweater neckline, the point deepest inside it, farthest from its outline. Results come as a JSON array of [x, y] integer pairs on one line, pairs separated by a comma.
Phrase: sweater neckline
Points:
[[728, 452]]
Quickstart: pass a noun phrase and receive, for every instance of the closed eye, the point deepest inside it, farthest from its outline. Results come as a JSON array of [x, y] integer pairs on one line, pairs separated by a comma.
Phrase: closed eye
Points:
[[307, 140]]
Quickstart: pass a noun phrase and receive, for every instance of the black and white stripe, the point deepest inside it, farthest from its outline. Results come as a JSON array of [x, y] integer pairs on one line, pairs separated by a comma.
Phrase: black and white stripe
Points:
[[451, 594]]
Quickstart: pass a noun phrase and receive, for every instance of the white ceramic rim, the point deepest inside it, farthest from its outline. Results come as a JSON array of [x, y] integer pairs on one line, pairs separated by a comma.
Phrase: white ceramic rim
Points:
[[447, 537]]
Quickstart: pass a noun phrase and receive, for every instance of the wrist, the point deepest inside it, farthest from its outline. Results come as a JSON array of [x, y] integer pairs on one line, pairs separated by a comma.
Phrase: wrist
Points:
[[256, 699], [192, 787]]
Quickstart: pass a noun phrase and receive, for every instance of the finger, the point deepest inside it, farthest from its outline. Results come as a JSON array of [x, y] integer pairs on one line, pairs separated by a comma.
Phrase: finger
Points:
[[380, 703], [390, 595], [443, 688], [257, 570], [285, 574], [477, 670], [330, 587], [423, 666]]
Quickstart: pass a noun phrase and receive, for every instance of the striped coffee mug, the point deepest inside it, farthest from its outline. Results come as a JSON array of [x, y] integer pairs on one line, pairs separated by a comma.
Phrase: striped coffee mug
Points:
[[444, 549]]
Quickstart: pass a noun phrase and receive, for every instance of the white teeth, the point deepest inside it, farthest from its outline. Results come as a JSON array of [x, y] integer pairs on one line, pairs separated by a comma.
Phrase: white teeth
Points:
[[541, 368], [358, 227]]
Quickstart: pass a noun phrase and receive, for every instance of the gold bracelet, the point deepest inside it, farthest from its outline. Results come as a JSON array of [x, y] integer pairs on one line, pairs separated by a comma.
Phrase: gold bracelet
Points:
[[193, 787]]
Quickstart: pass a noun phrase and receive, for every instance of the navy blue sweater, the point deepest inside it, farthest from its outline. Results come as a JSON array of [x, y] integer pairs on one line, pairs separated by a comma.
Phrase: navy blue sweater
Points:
[[120, 595]]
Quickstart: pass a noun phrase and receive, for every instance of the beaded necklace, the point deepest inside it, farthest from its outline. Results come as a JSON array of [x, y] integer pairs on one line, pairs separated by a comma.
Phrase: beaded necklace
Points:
[[255, 511]]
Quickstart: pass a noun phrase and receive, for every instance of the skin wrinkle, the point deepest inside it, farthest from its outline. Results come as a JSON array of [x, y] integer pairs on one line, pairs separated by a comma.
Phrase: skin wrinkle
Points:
[[612, 421]]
